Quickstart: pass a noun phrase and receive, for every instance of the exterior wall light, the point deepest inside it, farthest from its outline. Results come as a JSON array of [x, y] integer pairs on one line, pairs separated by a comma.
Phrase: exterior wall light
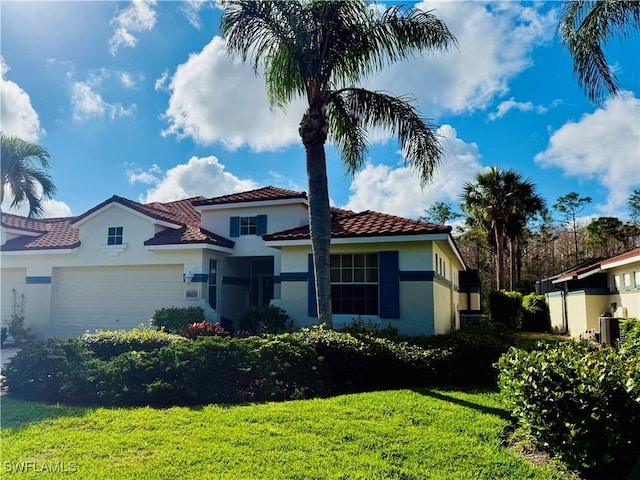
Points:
[[187, 277]]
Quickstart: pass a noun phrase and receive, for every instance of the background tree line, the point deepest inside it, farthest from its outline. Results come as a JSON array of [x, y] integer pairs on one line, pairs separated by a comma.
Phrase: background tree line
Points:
[[506, 231]]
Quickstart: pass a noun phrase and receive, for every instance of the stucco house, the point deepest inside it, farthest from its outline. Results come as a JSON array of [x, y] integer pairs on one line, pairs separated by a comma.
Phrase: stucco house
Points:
[[114, 265], [578, 297]]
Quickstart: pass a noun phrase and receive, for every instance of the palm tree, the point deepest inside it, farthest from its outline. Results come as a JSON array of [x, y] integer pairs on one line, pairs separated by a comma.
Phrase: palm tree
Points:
[[501, 201], [525, 204], [23, 170], [319, 50], [585, 28]]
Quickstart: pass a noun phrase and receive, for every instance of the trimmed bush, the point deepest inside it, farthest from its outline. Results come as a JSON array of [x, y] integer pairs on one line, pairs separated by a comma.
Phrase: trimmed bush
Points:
[[177, 319], [506, 308], [578, 400], [106, 344], [53, 371], [359, 327], [265, 319], [535, 316]]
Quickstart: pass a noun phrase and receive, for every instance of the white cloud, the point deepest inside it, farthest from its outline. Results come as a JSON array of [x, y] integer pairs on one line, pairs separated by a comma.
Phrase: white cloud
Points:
[[495, 42], [130, 80], [511, 104], [87, 103], [17, 115], [199, 176], [603, 145], [216, 99], [138, 17], [161, 83], [191, 10], [397, 190]]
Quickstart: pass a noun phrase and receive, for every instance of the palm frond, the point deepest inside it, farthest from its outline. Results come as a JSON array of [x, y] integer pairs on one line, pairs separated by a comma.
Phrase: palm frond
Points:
[[420, 144], [585, 29]]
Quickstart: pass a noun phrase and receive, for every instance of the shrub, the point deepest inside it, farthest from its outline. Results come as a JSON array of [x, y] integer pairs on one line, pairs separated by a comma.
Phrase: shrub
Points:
[[506, 308], [177, 319], [206, 329], [53, 371], [265, 319], [578, 400], [631, 328], [106, 344], [535, 316], [358, 326]]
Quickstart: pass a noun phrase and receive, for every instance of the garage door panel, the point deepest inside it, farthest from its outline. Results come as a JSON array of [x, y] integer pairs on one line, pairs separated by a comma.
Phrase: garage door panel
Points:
[[112, 297]]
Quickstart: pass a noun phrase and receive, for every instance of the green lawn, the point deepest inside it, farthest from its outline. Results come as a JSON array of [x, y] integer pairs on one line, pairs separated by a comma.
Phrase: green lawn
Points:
[[424, 434]]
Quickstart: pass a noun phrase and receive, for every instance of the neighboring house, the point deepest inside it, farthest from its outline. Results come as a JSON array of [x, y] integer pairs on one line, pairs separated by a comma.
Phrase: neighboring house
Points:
[[114, 265], [578, 297]]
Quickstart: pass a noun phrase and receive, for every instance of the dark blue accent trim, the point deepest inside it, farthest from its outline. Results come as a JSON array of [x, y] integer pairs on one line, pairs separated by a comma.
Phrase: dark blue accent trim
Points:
[[234, 227], [389, 284], [417, 275], [200, 278], [37, 280], [294, 276], [241, 282], [311, 293], [261, 225], [591, 291]]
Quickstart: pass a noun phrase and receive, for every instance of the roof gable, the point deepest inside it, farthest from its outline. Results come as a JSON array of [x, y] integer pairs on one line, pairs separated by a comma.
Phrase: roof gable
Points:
[[266, 194]]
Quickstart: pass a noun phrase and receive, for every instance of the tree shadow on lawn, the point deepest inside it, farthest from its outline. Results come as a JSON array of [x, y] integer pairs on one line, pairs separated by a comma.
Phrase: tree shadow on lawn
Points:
[[440, 395], [17, 414]]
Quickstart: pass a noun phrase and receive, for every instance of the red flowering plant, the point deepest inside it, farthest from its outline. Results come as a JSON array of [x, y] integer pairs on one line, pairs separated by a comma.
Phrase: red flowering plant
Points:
[[206, 329]]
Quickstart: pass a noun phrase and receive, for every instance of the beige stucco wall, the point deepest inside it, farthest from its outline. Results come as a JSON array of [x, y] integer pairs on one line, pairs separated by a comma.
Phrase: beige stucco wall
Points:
[[627, 299], [583, 311], [417, 297]]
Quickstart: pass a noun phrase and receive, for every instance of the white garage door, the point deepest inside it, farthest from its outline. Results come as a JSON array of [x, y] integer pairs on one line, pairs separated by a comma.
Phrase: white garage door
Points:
[[111, 298]]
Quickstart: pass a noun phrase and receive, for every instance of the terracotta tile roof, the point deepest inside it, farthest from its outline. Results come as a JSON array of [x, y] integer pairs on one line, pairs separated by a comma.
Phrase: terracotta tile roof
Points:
[[623, 256], [50, 233], [365, 224], [261, 194], [180, 212], [189, 234], [60, 233]]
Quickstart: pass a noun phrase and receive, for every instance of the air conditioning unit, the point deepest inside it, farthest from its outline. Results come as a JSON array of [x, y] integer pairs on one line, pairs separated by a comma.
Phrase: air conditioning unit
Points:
[[467, 318], [609, 330]]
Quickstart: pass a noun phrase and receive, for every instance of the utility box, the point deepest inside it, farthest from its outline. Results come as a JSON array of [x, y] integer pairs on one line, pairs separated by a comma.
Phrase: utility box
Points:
[[609, 330]]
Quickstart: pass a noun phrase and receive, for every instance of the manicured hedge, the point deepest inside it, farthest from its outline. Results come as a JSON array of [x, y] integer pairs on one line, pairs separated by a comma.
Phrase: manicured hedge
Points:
[[177, 319], [580, 401], [156, 368]]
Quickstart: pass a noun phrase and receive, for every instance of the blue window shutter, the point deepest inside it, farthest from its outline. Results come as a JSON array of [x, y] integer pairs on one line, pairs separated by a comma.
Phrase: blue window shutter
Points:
[[261, 225], [234, 227], [311, 283], [389, 284]]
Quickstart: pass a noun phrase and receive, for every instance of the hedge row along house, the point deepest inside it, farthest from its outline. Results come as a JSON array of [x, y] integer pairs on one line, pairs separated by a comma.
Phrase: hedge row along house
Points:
[[580, 296], [114, 265]]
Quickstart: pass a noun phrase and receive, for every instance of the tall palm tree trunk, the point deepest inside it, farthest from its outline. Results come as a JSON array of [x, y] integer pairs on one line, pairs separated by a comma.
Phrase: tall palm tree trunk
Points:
[[499, 231], [313, 131]]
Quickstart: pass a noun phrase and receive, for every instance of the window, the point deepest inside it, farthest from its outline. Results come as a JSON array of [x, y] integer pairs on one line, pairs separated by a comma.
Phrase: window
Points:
[[354, 284], [213, 283], [248, 225], [114, 236], [627, 281], [616, 283], [637, 279]]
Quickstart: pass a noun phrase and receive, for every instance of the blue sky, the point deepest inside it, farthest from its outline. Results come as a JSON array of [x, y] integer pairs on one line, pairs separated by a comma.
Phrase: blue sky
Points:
[[138, 99]]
